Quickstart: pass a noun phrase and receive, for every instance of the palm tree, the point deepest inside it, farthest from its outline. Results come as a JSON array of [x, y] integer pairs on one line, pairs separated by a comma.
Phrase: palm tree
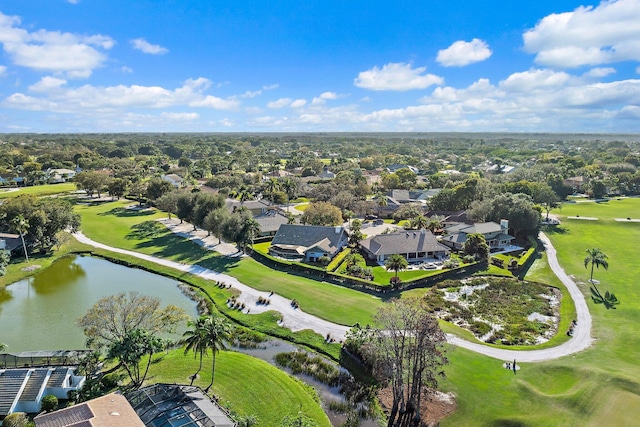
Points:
[[597, 259], [3, 346], [216, 332], [21, 225], [272, 185], [250, 229], [396, 262], [290, 187], [195, 341], [382, 203], [435, 223], [419, 222]]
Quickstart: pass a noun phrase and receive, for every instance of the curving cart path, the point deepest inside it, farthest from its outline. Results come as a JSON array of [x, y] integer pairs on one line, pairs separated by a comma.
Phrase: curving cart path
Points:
[[296, 319], [580, 340]]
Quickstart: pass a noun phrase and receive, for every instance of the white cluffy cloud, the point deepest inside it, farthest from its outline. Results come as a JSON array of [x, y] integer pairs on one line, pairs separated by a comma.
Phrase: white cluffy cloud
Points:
[[463, 53], [287, 102], [74, 55], [398, 77], [3, 70], [53, 94], [324, 96], [589, 35], [146, 47], [253, 94]]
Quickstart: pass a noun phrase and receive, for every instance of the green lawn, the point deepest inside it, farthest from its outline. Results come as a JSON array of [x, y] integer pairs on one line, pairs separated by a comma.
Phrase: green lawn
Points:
[[244, 384], [113, 225], [16, 269], [599, 386], [585, 389], [40, 190]]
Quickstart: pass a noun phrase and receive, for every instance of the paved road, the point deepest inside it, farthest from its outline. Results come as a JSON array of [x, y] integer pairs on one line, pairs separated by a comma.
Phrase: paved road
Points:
[[296, 319]]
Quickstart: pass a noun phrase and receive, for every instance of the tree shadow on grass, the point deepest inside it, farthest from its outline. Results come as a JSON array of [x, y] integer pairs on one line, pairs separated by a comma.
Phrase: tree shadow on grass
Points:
[[146, 230], [609, 300], [167, 244], [127, 213], [555, 229]]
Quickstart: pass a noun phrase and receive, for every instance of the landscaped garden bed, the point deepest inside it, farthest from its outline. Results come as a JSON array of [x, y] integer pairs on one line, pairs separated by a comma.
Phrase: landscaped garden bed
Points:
[[499, 310]]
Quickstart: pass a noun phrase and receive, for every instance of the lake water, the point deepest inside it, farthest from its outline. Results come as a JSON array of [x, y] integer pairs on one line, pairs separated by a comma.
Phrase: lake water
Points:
[[39, 313]]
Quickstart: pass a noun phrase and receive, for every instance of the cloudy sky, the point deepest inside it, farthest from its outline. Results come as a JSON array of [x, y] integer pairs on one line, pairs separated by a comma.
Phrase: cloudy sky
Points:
[[330, 65]]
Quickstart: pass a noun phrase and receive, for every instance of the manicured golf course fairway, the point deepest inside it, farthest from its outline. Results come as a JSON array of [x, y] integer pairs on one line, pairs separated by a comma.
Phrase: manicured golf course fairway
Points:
[[600, 386]]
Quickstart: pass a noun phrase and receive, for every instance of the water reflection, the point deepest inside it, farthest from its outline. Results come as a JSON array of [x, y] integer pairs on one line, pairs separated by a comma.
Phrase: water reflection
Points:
[[64, 273], [39, 313]]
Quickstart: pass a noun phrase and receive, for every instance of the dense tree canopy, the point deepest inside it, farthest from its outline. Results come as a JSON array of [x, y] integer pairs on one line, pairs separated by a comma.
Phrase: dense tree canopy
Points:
[[43, 219], [321, 213]]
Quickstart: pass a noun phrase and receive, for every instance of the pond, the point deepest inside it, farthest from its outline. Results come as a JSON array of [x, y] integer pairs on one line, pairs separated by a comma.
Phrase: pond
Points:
[[39, 313]]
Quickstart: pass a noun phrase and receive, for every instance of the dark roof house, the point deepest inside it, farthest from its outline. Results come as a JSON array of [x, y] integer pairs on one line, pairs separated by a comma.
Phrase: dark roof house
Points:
[[270, 221], [415, 246], [496, 235], [308, 241]]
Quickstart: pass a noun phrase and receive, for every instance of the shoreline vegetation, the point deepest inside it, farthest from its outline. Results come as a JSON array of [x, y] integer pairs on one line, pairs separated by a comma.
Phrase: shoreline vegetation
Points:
[[602, 378]]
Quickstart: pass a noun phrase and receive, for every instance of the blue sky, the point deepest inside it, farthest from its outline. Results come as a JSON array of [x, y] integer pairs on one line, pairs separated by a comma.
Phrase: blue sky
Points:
[[285, 66]]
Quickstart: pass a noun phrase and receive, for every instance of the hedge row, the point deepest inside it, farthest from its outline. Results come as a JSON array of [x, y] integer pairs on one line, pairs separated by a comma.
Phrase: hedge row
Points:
[[532, 250], [337, 260]]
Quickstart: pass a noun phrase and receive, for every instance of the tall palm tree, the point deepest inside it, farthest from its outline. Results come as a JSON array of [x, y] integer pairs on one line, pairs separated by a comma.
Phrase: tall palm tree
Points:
[[396, 262], [21, 225], [290, 187], [419, 222], [382, 202], [216, 331], [194, 338], [271, 186], [597, 259], [250, 230]]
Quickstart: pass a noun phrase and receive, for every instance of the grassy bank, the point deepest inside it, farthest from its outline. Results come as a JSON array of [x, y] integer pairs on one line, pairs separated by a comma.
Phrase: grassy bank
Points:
[[38, 190], [115, 226], [598, 386], [244, 384], [19, 268]]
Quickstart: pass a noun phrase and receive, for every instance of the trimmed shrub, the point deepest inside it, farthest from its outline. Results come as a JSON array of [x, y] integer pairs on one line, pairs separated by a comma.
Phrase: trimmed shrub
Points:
[[337, 260], [49, 403]]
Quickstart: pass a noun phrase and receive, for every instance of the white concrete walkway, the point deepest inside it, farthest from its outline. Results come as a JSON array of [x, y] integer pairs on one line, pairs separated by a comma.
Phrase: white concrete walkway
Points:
[[296, 319], [580, 340]]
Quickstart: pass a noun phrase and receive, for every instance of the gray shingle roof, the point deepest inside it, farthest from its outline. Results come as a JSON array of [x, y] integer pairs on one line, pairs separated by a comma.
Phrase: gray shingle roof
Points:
[[309, 236], [271, 220], [72, 416], [403, 242], [481, 227]]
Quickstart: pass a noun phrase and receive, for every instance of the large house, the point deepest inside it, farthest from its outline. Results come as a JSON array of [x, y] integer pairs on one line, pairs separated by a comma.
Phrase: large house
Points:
[[415, 246], [173, 179], [60, 175], [496, 235], [308, 241], [22, 389], [256, 207], [10, 242], [270, 221]]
